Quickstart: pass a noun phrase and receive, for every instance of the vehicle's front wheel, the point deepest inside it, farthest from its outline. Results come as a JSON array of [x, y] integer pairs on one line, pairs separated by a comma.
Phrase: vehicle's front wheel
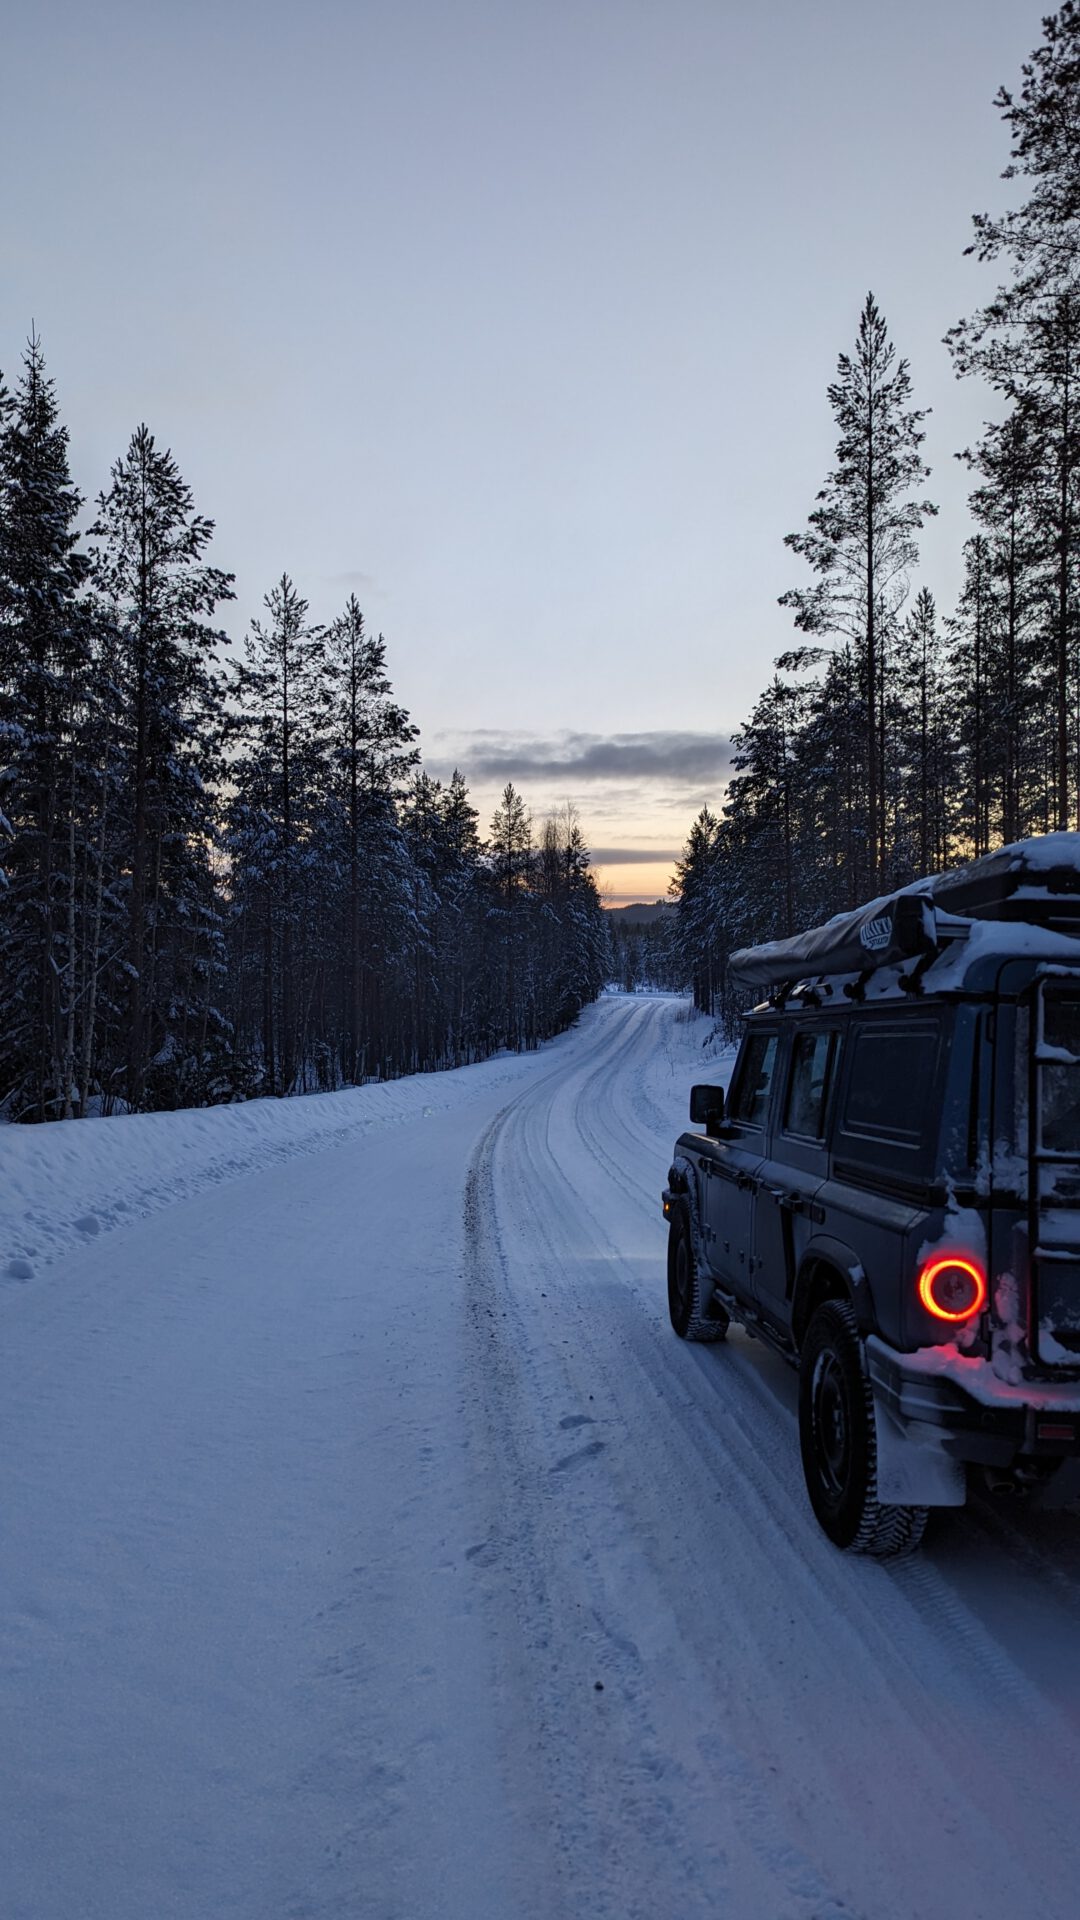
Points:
[[688, 1300], [839, 1444]]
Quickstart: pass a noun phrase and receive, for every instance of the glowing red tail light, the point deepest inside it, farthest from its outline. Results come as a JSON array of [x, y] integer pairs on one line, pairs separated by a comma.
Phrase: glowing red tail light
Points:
[[952, 1287]]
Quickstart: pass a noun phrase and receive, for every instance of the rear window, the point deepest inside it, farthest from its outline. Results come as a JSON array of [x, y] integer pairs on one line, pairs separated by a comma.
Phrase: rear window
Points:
[[1059, 1078], [892, 1105]]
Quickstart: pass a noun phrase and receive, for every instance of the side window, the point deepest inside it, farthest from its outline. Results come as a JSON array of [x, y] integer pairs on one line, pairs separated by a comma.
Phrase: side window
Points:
[[891, 1111], [750, 1104], [1058, 1104], [808, 1087]]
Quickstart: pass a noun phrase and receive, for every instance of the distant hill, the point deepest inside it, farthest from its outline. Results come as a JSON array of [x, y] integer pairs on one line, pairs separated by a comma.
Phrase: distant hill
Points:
[[638, 914]]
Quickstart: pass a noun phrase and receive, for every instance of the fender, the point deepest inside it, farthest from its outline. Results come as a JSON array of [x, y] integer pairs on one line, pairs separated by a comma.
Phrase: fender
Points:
[[847, 1263], [684, 1179]]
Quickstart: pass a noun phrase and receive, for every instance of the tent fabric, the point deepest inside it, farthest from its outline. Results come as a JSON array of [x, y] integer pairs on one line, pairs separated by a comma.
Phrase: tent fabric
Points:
[[1036, 880]]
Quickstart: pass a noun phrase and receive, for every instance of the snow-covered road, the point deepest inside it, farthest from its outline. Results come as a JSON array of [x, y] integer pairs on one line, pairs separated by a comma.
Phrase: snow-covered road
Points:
[[372, 1548]]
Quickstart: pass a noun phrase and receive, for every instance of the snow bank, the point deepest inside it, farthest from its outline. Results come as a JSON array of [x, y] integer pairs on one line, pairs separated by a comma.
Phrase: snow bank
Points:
[[62, 1184], [65, 1183]]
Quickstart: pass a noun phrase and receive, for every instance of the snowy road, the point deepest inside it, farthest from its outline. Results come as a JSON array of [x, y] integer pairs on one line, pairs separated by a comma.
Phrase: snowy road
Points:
[[372, 1548]]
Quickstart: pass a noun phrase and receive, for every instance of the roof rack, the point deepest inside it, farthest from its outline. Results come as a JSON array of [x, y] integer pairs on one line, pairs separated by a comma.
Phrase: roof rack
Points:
[[1036, 881]]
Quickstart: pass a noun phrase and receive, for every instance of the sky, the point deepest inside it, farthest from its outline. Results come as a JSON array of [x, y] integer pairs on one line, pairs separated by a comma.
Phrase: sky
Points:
[[516, 320]]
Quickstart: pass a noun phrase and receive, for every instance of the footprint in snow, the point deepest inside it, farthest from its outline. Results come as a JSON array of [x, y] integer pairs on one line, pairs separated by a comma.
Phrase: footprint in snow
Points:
[[484, 1554], [588, 1452], [577, 1420]]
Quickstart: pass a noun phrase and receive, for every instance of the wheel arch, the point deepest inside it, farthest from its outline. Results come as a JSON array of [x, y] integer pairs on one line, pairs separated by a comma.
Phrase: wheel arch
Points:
[[683, 1184], [829, 1271]]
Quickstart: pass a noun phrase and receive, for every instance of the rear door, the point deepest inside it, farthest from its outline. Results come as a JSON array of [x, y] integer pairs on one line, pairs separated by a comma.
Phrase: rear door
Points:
[[1054, 1156], [885, 1143]]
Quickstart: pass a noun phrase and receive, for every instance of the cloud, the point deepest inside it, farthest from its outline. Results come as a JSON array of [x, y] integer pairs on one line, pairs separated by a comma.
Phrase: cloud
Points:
[[688, 758], [633, 856], [364, 580]]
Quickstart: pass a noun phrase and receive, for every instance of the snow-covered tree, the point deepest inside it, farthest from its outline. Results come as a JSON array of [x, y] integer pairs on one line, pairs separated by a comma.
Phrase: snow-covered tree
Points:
[[44, 685], [278, 776], [161, 594], [860, 539]]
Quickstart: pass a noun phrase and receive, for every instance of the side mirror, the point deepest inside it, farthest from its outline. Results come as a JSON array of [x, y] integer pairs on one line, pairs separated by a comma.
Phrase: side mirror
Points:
[[707, 1107]]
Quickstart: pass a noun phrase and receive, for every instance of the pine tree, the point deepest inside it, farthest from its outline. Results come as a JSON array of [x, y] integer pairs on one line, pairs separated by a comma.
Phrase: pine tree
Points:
[[373, 756], [571, 941], [510, 854], [461, 923], [1026, 340], [11, 735], [860, 539], [1009, 508]]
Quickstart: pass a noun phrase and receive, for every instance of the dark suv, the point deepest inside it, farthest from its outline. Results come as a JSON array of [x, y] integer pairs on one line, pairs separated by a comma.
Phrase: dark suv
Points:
[[890, 1193]]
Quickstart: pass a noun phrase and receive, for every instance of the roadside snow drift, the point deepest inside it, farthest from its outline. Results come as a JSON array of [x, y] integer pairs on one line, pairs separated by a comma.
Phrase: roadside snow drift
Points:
[[62, 1184]]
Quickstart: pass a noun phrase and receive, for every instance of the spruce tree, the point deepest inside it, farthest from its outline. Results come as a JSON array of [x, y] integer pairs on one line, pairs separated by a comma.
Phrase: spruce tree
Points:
[[698, 935], [278, 731], [921, 734], [161, 594], [44, 651]]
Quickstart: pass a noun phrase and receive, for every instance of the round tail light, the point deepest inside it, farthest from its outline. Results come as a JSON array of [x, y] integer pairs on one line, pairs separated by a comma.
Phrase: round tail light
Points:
[[952, 1287]]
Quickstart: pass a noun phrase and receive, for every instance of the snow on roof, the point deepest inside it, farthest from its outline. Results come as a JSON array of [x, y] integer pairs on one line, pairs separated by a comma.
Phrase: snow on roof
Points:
[[1042, 853], [1004, 903]]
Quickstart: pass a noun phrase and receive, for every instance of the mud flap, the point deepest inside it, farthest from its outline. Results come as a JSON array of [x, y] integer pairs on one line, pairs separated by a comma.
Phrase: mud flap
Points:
[[913, 1469]]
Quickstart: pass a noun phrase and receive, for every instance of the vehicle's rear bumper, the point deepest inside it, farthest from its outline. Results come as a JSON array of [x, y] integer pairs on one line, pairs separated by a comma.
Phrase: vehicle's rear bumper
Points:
[[978, 1418]]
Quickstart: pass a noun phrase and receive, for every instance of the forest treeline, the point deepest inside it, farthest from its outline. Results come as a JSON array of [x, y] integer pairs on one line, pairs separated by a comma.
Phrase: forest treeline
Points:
[[222, 875], [644, 956], [895, 739]]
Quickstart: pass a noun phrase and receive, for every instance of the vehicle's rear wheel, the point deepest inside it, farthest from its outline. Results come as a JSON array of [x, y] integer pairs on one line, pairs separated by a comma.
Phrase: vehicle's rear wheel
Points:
[[839, 1444], [688, 1300]]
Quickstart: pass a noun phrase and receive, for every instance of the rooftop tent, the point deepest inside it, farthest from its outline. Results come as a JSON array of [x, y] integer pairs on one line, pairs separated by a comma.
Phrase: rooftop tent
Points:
[[1037, 881], [878, 935]]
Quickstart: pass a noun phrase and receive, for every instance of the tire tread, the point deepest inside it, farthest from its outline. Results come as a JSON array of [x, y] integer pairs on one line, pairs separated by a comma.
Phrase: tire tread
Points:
[[884, 1532], [701, 1326]]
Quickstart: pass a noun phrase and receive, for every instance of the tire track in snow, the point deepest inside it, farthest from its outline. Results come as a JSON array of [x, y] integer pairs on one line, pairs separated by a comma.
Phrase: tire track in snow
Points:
[[925, 1684], [639, 1836], [754, 1494], [612, 1798]]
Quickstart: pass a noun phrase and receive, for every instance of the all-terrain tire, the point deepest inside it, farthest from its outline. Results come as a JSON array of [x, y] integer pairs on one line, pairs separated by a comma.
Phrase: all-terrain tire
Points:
[[688, 1299], [839, 1443]]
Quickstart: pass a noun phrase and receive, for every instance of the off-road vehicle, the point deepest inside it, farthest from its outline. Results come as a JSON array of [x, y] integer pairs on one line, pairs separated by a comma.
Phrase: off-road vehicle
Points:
[[890, 1192]]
